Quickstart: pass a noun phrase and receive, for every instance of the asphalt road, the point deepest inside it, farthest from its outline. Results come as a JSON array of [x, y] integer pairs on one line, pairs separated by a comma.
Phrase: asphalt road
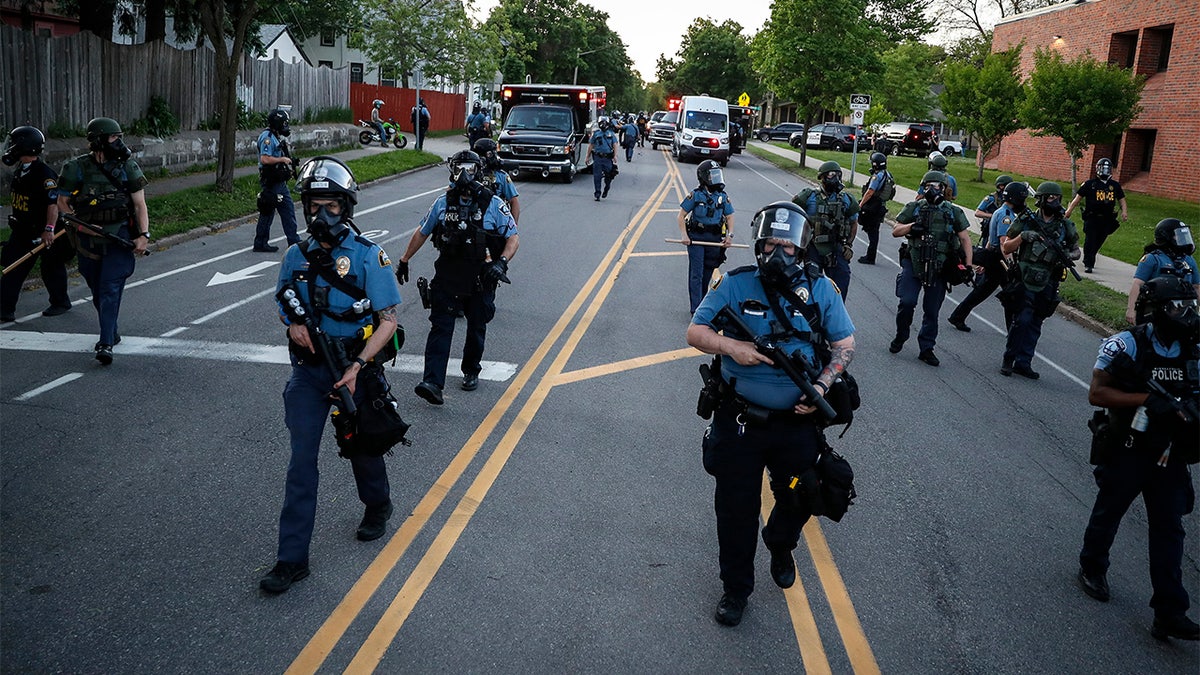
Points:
[[558, 518]]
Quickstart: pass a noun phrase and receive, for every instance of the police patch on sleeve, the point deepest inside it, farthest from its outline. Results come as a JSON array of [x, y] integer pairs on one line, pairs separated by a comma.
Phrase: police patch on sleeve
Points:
[[1113, 346], [383, 259], [50, 184], [717, 278], [1006, 220], [504, 208], [1143, 258]]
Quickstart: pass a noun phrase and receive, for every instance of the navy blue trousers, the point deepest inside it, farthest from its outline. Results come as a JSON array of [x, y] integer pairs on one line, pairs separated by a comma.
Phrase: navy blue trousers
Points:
[[306, 405], [600, 168], [1168, 494], [287, 217], [838, 271], [54, 269], [1026, 327], [479, 308], [909, 289], [106, 277], [702, 262]]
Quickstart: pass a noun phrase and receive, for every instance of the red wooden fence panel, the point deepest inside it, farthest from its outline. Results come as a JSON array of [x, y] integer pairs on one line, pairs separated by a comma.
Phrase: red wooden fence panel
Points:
[[446, 111]]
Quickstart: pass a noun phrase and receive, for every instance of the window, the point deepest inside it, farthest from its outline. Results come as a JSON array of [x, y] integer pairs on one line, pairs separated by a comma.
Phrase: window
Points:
[[1122, 49], [387, 76], [326, 38], [1155, 51], [356, 72], [1148, 138], [1138, 151], [327, 64]]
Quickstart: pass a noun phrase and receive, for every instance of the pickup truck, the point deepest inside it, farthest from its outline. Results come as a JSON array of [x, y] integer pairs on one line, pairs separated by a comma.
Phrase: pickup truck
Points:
[[546, 127]]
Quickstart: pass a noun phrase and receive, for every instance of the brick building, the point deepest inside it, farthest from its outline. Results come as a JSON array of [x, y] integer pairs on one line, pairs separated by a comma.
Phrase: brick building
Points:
[[1159, 39]]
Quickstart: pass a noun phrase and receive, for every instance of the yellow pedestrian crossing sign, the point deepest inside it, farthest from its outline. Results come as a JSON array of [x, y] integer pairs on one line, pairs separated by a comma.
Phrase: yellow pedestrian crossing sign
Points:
[[744, 99]]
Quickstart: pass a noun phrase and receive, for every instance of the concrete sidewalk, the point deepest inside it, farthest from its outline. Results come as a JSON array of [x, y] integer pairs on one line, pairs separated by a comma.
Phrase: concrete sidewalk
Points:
[[1115, 274]]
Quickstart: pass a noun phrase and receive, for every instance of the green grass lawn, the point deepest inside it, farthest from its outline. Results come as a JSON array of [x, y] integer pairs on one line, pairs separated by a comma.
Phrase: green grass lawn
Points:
[[1125, 244]]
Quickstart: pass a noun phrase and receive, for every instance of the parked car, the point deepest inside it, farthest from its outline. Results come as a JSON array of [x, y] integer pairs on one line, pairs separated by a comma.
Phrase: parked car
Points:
[[662, 132], [779, 132], [900, 138], [839, 137], [950, 148]]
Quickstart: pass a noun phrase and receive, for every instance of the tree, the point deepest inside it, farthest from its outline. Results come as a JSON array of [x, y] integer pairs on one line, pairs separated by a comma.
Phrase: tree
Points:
[[903, 92], [713, 59], [985, 101], [902, 20], [436, 37], [977, 15], [813, 51], [1083, 102]]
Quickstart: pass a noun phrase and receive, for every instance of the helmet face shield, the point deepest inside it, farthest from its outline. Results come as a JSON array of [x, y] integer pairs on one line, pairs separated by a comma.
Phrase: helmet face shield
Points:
[[463, 171], [715, 177], [782, 225], [1104, 168], [1182, 239]]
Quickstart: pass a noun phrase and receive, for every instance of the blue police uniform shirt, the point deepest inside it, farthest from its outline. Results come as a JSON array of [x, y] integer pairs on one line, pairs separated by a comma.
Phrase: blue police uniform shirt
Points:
[[477, 120], [1124, 342], [367, 267], [630, 131], [268, 145], [604, 141], [1152, 265], [763, 384], [505, 189], [714, 206], [848, 204], [988, 205], [1002, 219], [876, 182], [496, 219]]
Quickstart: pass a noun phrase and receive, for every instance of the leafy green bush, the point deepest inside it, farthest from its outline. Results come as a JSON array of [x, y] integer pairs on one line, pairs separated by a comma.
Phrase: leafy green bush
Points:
[[159, 121], [65, 130]]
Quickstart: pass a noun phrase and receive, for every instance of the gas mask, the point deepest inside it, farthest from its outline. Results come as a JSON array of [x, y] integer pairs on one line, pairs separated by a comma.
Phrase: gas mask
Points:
[[933, 193], [116, 151], [1177, 320], [1051, 205], [832, 183], [777, 269], [326, 227], [463, 174]]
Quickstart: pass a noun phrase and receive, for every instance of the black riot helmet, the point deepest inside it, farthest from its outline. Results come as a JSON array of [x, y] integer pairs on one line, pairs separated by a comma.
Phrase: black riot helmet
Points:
[[878, 162], [710, 175], [1015, 194], [780, 223], [1174, 235], [1001, 181], [476, 106], [99, 131], [327, 177], [1169, 303], [23, 142], [279, 122], [1104, 168], [486, 149], [466, 167]]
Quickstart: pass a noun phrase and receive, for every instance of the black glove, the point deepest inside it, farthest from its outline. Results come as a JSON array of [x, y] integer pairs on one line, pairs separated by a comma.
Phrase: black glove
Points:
[[401, 272], [496, 271], [1160, 405], [1032, 235], [480, 192], [919, 227]]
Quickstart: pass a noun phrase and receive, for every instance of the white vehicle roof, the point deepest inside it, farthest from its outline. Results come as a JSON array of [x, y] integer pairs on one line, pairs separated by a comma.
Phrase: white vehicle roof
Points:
[[705, 103]]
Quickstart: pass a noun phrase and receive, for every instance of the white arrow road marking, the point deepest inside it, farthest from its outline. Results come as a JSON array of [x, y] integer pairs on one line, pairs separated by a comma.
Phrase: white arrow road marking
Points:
[[240, 275], [237, 352]]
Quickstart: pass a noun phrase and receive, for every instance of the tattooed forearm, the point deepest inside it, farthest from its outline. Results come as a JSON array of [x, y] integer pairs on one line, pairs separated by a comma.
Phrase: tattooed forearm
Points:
[[842, 353], [388, 314]]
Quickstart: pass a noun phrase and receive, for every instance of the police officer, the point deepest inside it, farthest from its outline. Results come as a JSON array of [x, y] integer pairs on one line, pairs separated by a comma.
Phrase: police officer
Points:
[[333, 255], [643, 125], [938, 162], [1150, 441], [420, 120], [376, 105], [602, 147], [937, 254], [834, 219], [873, 205], [1100, 196], [765, 421], [706, 214], [990, 263], [496, 179], [629, 137], [32, 223], [1033, 296], [989, 204], [107, 189], [476, 237], [1169, 254], [478, 124], [274, 171]]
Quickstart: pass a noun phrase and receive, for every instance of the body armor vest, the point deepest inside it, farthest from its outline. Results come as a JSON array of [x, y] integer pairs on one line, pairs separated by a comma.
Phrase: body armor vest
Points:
[[463, 246], [930, 251], [1178, 375], [828, 220], [705, 206], [1038, 262]]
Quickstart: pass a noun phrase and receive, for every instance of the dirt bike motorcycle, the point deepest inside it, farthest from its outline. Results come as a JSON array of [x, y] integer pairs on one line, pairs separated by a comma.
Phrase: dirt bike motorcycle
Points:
[[369, 135]]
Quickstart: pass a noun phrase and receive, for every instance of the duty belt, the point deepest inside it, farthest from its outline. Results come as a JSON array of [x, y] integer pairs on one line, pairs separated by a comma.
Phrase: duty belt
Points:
[[605, 155], [752, 414]]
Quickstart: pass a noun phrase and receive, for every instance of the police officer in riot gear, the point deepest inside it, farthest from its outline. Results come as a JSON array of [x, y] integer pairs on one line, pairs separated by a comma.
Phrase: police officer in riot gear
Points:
[[496, 179], [989, 261], [478, 124], [106, 189], [833, 216], [1146, 379], [1169, 254], [1100, 196], [326, 273], [602, 148], [938, 162], [32, 223], [762, 420], [420, 118], [1033, 295], [873, 205], [936, 255], [274, 171], [705, 215], [476, 237], [989, 204]]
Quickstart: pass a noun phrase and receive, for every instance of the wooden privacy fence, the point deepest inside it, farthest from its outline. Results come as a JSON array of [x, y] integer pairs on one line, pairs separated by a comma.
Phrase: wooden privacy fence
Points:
[[69, 80], [445, 110]]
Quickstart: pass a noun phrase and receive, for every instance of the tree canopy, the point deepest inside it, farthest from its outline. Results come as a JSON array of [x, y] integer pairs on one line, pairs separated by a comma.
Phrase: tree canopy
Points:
[[985, 101], [714, 59]]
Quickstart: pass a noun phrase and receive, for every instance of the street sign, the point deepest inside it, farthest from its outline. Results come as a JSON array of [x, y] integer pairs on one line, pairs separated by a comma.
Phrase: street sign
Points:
[[856, 117], [744, 99], [860, 101]]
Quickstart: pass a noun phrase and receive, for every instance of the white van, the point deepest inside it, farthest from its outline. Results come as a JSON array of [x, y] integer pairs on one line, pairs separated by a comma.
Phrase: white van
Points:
[[702, 130]]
